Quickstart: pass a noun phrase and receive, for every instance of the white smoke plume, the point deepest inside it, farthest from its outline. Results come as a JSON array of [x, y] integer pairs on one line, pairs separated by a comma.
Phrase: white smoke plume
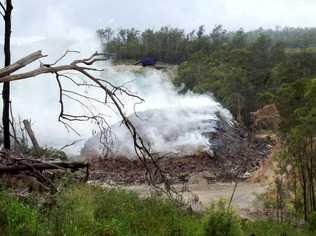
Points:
[[169, 122], [37, 98]]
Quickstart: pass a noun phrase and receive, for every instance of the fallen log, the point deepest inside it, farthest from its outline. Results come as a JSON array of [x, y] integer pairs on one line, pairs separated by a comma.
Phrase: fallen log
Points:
[[43, 166]]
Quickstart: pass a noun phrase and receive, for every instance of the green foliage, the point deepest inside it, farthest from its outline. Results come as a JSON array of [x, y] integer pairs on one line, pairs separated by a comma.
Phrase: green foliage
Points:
[[297, 105], [312, 222], [271, 228], [296, 102], [167, 44], [116, 212], [221, 221], [87, 210], [16, 218], [236, 72], [173, 45], [244, 76]]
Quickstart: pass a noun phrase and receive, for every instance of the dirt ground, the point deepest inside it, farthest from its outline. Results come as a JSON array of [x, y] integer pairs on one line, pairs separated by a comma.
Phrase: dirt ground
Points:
[[202, 194], [244, 196]]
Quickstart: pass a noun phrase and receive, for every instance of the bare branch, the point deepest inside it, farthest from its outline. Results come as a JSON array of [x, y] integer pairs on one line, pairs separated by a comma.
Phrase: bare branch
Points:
[[21, 63], [3, 9], [2, 6], [71, 144], [63, 56], [83, 96], [45, 68], [42, 70], [92, 59]]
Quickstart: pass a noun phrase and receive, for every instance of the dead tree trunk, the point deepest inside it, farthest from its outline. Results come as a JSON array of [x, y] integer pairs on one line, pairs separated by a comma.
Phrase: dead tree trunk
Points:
[[6, 85], [30, 132]]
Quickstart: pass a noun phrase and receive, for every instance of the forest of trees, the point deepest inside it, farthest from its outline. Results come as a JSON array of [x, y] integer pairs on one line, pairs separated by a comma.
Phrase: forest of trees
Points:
[[174, 45]]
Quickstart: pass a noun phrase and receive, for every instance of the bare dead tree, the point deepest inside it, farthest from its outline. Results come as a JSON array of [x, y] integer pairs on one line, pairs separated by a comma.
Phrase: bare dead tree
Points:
[[29, 130], [112, 93], [6, 12]]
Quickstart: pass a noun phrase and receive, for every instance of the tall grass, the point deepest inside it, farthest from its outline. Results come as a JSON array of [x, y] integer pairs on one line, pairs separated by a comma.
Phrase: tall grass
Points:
[[87, 210]]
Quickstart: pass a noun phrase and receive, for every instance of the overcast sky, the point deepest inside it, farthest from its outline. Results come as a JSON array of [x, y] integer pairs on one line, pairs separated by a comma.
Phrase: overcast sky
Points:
[[48, 17]]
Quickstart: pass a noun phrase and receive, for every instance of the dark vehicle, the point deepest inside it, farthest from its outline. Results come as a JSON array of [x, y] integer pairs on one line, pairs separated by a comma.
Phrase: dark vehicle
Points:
[[147, 61]]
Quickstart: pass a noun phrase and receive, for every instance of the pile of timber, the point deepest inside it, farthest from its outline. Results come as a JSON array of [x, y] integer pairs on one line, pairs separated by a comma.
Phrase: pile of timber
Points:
[[42, 170]]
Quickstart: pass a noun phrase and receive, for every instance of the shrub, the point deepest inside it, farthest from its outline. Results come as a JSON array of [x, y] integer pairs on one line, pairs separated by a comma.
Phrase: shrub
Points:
[[312, 222], [87, 210], [16, 218], [272, 228], [221, 221]]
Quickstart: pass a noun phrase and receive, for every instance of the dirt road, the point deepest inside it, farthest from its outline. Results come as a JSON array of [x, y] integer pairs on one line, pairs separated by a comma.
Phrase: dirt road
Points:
[[201, 195], [244, 196]]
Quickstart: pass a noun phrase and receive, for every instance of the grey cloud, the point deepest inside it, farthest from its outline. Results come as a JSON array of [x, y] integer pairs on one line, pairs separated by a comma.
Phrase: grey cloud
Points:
[[49, 17]]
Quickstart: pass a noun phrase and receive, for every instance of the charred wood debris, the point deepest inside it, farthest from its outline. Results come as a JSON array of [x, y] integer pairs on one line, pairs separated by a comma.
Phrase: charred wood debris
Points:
[[233, 156]]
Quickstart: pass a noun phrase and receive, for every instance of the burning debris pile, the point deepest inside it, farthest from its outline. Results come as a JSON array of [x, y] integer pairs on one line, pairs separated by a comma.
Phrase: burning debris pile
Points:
[[173, 131], [207, 142]]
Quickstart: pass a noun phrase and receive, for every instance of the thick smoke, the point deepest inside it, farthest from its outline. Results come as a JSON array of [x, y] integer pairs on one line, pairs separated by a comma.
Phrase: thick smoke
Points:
[[168, 121], [37, 98]]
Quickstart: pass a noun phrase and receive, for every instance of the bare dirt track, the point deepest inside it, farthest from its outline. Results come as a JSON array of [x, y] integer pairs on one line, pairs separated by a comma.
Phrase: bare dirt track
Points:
[[244, 198], [202, 194]]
